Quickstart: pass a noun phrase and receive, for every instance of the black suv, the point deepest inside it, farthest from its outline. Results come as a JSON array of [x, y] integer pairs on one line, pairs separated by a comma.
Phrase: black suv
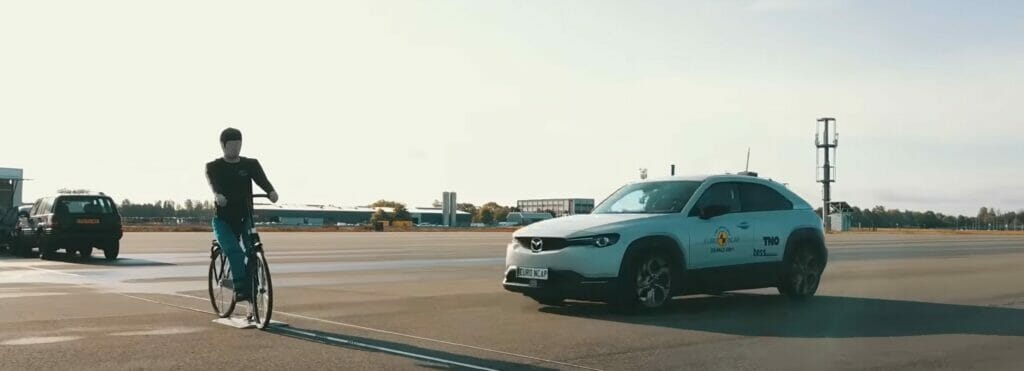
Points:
[[73, 222]]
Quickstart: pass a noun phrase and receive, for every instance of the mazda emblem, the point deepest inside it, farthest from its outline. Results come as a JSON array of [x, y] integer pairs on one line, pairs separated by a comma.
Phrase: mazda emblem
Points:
[[537, 245]]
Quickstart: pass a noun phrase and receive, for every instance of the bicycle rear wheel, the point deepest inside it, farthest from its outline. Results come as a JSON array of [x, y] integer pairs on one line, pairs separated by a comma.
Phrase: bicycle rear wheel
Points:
[[222, 297], [263, 292]]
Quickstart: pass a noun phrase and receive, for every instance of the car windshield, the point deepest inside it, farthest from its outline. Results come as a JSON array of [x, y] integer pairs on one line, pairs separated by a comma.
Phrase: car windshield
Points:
[[649, 198], [84, 205]]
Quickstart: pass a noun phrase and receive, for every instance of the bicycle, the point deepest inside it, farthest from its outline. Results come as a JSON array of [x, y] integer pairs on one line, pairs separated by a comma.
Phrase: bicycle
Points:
[[261, 302]]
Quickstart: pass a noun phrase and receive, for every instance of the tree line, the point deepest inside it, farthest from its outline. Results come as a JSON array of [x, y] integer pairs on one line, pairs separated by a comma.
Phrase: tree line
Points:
[[168, 209], [987, 218], [489, 213], [492, 213]]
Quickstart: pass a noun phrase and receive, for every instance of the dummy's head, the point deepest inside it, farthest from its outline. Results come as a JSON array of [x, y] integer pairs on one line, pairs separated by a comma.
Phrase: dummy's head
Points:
[[231, 143]]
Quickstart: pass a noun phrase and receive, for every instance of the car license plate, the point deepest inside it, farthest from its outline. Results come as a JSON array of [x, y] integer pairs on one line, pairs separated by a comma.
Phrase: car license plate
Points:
[[533, 273], [88, 221]]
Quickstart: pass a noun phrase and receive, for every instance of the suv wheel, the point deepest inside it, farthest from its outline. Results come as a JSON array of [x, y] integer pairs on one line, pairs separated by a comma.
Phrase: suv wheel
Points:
[[85, 252], [646, 284], [803, 274], [46, 248], [112, 250], [22, 248]]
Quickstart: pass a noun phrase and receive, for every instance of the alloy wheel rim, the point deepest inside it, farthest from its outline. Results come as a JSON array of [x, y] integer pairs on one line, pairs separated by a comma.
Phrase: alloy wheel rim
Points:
[[653, 282], [805, 274]]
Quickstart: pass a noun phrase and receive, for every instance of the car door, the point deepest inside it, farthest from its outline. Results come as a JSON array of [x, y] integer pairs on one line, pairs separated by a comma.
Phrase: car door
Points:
[[770, 214], [723, 240], [28, 228], [42, 215]]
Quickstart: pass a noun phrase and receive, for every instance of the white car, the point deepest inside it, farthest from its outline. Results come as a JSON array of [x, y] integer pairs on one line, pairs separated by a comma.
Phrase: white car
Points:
[[655, 239]]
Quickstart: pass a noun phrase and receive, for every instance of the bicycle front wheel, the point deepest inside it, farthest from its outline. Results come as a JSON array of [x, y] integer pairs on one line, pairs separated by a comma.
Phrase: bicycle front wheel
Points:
[[222, 297], [263, 292]]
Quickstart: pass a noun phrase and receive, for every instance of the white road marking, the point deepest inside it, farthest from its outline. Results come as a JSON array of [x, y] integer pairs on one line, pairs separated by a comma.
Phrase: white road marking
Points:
[[239, 323], [379, 331], [349, 325], [40, 340], [56, 272], [381, 349], [29, 294], [333, 339], [161, 331]]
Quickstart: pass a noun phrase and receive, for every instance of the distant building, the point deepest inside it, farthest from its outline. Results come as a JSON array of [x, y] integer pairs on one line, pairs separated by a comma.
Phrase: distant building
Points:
[[318, 215], [558, 206], [840, 216], [527, 218], [10, 188]]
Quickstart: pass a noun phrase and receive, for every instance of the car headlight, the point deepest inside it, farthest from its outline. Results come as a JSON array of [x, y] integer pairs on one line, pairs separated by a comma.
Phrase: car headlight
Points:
[[601, 240]]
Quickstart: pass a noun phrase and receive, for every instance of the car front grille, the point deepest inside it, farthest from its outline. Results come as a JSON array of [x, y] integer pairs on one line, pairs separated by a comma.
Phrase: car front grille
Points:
[[549, 244]]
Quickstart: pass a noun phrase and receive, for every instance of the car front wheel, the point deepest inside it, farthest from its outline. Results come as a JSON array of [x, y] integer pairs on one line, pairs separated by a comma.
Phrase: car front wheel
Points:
[[647, 283], [23, 248]]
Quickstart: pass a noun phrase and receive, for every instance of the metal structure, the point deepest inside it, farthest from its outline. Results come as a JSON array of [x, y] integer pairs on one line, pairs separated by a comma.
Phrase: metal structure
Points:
[[747, 168], [449, 210], [826, 143], [840, 216]]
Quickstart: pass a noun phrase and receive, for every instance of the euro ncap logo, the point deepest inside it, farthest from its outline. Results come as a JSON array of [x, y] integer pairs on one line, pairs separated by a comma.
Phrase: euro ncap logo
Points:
[[722, 237]]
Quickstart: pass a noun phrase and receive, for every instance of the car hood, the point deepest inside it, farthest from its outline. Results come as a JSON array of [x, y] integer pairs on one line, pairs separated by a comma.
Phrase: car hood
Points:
[[580, 225]]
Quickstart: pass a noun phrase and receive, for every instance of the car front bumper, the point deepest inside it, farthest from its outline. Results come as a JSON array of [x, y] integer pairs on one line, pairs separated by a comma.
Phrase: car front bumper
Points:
[[561, 283]]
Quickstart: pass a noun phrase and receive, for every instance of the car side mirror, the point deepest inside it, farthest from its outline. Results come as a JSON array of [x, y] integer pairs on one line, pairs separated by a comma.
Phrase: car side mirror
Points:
[[711, 211]]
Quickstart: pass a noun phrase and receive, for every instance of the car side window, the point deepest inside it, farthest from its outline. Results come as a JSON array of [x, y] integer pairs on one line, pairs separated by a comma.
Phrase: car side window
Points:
[[725, 194], [37, 207], [758, 197]]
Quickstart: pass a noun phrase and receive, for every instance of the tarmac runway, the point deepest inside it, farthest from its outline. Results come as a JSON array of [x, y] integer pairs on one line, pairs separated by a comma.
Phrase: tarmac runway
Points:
[[434, 300]]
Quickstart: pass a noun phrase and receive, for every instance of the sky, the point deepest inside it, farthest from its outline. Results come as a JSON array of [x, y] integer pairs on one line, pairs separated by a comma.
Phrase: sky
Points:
[[347, 102]]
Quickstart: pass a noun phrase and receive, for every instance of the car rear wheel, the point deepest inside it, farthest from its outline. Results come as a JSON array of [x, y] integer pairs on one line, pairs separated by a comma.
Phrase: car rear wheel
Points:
[[112, 250], [803, 274], [46, 248], [85, 252]]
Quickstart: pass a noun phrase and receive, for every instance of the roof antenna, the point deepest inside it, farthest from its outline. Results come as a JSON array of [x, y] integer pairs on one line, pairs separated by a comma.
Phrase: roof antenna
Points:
[[748, 161], [747, 172]]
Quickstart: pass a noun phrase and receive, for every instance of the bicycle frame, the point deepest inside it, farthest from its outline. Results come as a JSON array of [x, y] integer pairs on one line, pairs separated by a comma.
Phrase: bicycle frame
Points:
[[253, 254]]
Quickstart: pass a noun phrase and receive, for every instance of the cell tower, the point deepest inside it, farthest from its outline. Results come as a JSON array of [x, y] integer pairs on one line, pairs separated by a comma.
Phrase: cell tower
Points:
[[826, 145]]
